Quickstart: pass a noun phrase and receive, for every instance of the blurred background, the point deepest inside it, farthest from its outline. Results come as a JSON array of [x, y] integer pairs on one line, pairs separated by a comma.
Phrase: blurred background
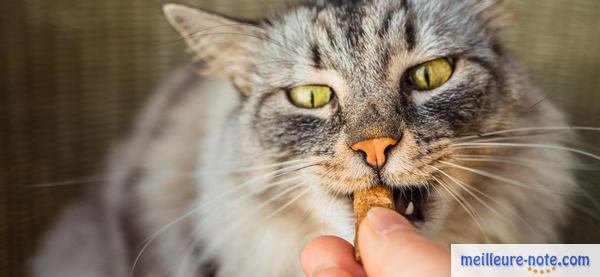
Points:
[[73, 73]]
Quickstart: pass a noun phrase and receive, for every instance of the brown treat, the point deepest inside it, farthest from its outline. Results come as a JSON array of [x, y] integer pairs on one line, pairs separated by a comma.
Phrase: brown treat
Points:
[[364, 200]]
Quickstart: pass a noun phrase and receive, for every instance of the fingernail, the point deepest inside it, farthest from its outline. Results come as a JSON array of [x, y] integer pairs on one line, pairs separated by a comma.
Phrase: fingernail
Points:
[[385, 220]]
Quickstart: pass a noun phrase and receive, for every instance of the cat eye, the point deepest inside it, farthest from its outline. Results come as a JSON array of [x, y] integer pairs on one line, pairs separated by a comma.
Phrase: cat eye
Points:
[[311, 96], [430, 75]]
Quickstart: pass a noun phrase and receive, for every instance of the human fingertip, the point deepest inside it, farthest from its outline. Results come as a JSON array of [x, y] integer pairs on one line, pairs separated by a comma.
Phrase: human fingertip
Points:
[[329, 254], [384, 220]]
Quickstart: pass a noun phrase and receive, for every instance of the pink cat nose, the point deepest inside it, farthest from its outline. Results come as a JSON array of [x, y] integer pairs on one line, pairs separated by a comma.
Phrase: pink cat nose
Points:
[[374, 150]]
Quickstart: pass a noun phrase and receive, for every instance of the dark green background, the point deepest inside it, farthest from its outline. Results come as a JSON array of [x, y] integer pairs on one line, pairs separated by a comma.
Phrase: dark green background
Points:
[[73, 73]]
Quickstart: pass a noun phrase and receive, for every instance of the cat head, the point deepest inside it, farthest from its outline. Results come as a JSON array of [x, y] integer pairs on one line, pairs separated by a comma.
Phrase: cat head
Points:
[[371, 92]]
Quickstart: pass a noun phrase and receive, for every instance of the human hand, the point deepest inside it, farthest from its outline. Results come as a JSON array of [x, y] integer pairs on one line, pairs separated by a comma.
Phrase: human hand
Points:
[[389, 246]]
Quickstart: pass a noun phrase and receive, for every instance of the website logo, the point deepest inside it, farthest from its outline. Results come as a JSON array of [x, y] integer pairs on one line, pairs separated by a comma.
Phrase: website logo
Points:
[[525, 260]]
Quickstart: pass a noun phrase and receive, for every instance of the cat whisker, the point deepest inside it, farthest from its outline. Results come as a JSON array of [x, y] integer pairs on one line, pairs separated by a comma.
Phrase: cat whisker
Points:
[[499, 178], [572, 203], [466, 189], [525, 145], [478, 138], [522, 162], [541, 128], [520, 138], [562, 141], [470, 189], [191, 35], [245, 196], [262, 188], [256, 158], [199, 34], [242, 69], [500, 138], [100, 178], [76, 181], [250, 168], [237, 226], [283, 207], [462, 202], [194, 210], [437, 191], [274, 174], [273, 198]]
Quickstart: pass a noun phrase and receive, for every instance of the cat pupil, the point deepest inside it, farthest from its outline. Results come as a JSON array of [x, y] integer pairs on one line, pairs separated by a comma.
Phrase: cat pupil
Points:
[[426, 76]]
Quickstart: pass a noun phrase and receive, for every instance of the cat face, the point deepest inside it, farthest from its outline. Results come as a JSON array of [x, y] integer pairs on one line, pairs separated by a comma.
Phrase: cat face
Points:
[[422, 74]]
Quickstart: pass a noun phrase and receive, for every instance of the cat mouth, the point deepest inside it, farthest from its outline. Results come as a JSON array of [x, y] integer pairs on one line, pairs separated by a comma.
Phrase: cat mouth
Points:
[[410, 202]]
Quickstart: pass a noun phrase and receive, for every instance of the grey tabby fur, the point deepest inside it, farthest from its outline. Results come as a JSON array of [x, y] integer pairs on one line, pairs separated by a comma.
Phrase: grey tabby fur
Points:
[[225, 176]]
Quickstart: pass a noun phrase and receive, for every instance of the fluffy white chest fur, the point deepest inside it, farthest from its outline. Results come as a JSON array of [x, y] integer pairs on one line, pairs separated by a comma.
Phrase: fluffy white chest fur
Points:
[[251, 231]]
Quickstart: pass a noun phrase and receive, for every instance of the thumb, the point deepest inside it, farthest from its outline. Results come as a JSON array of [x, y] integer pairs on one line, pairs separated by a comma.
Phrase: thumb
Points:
[[391, 246]]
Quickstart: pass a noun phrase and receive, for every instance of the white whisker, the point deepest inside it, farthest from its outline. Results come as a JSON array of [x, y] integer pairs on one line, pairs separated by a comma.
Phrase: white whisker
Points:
[[526, 145], [245, 196], [235, 228], [498, 177], [469, 190], [263, 188], [155, 235], [541, 128], [464, 205], [76, 181], [283, 207], [521, 162], [251, 168]]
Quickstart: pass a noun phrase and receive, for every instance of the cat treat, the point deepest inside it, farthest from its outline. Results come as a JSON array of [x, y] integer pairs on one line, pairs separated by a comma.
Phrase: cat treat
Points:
[[364, 200]]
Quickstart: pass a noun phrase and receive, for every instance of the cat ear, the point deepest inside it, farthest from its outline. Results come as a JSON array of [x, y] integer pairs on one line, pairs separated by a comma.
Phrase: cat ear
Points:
[[493, 13], [224, 45]]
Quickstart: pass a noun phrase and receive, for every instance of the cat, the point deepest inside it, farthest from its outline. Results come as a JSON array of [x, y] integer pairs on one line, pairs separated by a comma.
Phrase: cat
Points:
[[244, 156]]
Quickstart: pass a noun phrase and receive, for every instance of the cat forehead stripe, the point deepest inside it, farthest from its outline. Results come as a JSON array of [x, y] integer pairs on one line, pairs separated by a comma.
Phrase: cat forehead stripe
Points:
[[351, 16]]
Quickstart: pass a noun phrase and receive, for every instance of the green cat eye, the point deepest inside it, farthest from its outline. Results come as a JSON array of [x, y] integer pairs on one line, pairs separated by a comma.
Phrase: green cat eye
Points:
[[311, 96], [431, 74]]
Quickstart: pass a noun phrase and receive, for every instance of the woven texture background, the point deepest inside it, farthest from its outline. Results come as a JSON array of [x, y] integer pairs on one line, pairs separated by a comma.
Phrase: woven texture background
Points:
[[73, 73]]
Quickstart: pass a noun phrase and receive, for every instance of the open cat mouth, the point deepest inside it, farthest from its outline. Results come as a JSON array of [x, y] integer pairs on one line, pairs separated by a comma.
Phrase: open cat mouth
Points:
[[410, 201]]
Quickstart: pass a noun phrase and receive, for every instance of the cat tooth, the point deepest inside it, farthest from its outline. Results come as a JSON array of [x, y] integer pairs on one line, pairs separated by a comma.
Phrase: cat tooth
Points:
[[410, 208]]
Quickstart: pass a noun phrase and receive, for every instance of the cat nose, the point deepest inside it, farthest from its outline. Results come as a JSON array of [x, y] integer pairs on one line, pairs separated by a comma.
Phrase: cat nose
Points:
[[374, 150]]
